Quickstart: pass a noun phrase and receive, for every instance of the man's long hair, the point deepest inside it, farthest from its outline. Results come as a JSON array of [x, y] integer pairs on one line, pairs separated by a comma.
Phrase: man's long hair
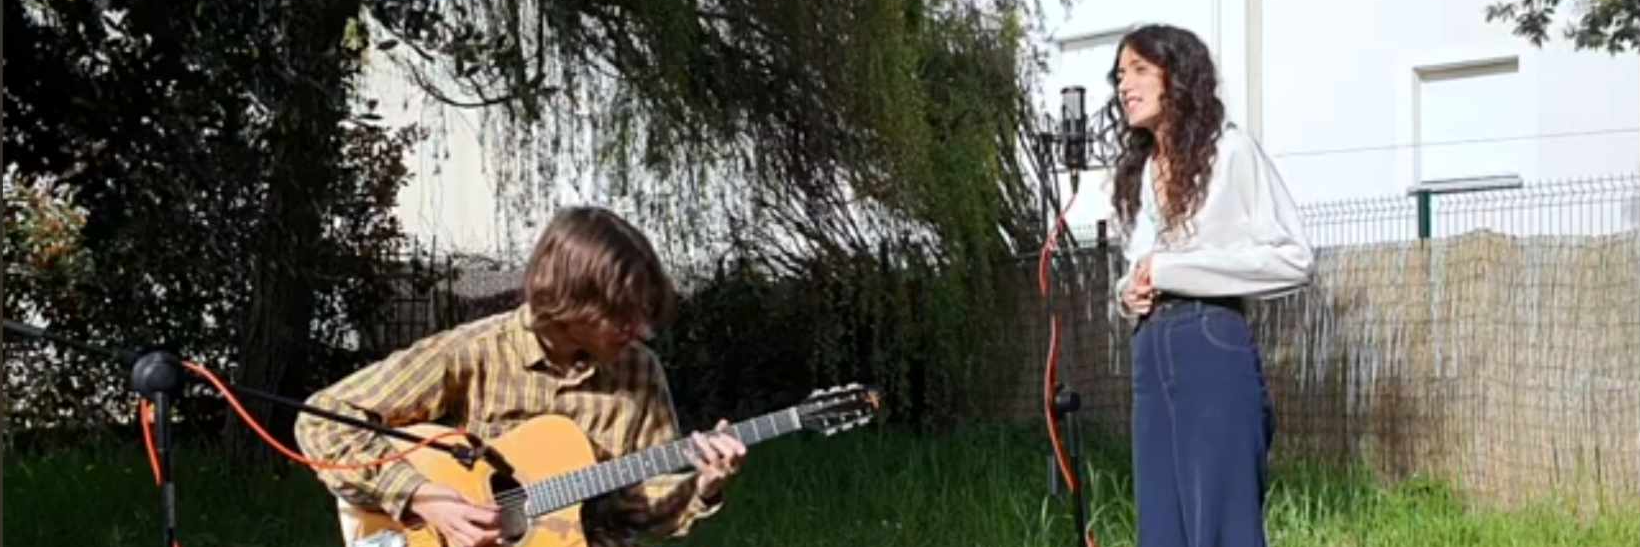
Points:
[[1191, 113], [591, 265]]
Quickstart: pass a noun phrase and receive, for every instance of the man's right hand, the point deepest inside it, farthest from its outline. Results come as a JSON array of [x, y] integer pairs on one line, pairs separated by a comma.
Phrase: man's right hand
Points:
[[461, 522], [1140, 294]]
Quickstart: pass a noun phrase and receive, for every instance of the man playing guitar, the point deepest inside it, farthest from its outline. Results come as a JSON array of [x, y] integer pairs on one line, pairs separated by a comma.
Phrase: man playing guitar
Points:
[[593, 292]]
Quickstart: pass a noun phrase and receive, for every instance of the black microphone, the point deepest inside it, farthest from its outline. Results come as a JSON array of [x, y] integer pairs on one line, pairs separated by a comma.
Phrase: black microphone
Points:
[[157, 372]]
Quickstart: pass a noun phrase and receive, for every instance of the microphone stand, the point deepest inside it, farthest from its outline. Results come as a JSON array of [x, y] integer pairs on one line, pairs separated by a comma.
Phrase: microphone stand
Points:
[[1072, 142], [156, 374], [1066, 403]]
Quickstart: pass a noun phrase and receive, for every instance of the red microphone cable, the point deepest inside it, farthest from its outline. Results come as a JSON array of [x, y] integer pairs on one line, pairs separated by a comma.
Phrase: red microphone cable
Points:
[[1050, 375], [145, 412]]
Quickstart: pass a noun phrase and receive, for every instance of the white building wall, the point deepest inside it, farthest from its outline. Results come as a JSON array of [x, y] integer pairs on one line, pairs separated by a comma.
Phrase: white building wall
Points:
[[451, 194], [1331, 89]]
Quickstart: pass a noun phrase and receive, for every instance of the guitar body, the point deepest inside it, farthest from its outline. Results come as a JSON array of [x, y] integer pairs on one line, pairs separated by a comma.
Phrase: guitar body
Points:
[[540, 448], [553, 463]]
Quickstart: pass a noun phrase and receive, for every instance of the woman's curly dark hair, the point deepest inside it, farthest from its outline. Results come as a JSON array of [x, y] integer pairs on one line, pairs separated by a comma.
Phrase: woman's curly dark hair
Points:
[[1191, 113]]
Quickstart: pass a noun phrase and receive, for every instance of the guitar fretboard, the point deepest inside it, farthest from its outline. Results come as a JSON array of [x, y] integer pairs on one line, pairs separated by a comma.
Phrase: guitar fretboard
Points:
[[596, 480]]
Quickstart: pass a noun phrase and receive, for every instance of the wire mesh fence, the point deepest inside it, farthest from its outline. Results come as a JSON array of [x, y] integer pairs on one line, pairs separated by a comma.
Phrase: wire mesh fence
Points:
[[1501, 351], [420, 285]]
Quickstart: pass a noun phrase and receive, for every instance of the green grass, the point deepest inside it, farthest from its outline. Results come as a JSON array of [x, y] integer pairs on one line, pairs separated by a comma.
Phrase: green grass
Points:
[[983, 486], [103, 493]]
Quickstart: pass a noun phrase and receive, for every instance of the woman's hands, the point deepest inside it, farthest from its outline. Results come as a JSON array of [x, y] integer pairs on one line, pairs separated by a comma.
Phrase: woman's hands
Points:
[[1140, 295]]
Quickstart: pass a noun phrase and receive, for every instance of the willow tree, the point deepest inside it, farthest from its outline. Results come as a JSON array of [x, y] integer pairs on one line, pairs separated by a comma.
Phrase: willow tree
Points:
[[827, 142], [780, 130], [190, 174]]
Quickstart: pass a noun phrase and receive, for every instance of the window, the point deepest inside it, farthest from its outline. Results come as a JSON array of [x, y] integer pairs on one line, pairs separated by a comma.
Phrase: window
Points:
[[1469, 120]]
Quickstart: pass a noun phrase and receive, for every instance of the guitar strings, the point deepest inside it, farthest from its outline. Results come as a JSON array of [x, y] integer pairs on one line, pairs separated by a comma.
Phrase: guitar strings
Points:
[[515, 498], [518, 497]]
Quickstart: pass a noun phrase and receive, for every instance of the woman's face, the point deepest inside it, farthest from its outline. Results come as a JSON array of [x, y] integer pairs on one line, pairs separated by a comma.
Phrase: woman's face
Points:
[[1139, 84]]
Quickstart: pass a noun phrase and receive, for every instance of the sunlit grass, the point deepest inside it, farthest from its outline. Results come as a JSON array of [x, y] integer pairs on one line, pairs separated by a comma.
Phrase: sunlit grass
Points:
[[979, 486]]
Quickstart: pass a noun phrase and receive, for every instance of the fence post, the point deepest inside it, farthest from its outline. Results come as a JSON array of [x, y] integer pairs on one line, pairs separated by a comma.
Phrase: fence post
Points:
[[1424, 214], [1423, 190]]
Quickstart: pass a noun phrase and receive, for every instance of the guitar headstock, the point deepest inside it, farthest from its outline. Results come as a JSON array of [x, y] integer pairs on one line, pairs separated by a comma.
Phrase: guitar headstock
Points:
[[839, 409]]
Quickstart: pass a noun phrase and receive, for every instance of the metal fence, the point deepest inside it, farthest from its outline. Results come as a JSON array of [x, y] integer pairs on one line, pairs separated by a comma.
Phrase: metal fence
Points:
[[1500, 346], [434, 291], [1581, 207], [422, 283], [1492, 338]]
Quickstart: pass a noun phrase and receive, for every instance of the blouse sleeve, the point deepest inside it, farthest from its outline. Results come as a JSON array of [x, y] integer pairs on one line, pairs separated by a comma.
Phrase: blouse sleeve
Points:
[[1275, 257]]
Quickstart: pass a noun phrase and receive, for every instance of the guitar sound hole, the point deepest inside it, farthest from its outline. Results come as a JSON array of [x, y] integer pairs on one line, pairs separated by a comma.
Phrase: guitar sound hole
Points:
[[513, 524]]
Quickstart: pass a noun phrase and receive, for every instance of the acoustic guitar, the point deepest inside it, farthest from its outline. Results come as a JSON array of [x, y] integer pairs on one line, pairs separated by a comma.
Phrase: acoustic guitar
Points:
[[540, 500]]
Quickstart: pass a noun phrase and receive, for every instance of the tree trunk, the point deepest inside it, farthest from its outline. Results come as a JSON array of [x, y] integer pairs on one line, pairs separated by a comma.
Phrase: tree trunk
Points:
[[305, 160], [275, 343], [5, 405]]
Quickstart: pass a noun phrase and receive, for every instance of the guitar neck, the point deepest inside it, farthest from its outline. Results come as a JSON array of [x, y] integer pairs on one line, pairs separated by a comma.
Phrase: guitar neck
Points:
[[583, 484]]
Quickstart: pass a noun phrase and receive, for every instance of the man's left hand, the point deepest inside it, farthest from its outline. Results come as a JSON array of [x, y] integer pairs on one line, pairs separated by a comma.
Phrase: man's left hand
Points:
[[717, 456]]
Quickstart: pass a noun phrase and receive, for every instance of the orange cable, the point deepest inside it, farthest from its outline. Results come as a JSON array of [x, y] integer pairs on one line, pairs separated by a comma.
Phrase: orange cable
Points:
[[1051, 372], [145, 412], [293, 455], [145, 416]]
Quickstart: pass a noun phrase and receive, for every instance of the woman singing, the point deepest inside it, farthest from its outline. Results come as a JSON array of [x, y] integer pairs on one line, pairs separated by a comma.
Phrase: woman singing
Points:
[[1207, 223]]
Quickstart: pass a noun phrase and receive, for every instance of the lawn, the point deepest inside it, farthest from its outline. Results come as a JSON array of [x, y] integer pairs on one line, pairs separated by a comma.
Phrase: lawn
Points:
[[980, 486]]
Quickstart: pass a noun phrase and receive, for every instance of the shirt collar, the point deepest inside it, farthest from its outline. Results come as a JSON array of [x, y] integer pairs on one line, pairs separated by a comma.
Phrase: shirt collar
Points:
[[532, 350]]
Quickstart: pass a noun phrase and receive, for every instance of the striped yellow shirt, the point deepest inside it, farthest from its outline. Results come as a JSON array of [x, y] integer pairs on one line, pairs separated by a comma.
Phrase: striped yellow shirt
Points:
[[491, 375]]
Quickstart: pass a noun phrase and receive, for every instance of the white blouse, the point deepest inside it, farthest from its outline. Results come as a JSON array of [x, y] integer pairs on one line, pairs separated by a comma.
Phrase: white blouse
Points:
[[1247, 238]]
